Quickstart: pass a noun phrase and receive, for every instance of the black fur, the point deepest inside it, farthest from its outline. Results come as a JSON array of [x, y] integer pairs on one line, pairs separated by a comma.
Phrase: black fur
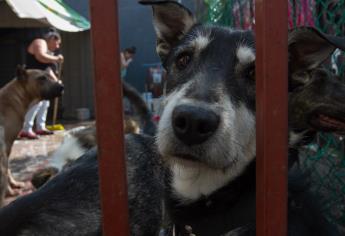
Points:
[[229, 209], [69, 203], [141, 108], [204, 78]]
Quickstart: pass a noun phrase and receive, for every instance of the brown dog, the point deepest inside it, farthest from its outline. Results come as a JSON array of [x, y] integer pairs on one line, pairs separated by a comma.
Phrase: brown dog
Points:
[[16, 97]]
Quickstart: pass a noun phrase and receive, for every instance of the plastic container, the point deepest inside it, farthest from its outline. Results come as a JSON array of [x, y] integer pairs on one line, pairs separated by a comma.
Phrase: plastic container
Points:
[[83, 114]]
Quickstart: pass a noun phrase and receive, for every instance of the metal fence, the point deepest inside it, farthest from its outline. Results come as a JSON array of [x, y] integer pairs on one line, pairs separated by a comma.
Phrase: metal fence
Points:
[[325, 156]]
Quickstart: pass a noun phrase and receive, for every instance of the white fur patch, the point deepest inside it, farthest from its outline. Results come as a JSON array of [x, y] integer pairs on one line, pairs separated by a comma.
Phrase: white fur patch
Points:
[[69, 150], [201, 42], [245, 55], [294, 137], [190, 183]]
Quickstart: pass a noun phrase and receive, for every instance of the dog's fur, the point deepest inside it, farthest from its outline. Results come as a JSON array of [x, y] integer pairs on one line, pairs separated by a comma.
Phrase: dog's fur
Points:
[[79, 141], [141, 109], [28, 88], [206, 137], [75, 208], [207, 130]]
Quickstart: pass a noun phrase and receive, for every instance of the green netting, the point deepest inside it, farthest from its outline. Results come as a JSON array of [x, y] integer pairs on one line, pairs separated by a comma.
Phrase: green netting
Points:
[[234, 13], [324, 158]]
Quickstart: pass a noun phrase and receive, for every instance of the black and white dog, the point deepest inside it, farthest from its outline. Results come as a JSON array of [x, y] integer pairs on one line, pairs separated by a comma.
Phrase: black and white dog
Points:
[[206, 138], [206, 134]]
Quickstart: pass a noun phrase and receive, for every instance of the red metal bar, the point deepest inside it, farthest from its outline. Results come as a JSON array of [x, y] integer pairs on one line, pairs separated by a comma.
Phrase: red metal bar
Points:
[[109, 115], [271, 117]]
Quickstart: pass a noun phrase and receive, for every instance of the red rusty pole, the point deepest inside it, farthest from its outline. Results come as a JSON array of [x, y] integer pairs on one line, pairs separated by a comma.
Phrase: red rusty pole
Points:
[[109, 115], [271, 117]]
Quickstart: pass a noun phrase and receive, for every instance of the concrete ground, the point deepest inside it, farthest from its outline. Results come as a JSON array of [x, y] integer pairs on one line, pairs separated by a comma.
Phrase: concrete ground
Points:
[[29, 156]]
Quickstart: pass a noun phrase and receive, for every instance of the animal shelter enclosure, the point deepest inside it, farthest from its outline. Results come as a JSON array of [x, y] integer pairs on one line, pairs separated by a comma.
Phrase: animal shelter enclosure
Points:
[[108, 110], [324, 156], [240, 130]]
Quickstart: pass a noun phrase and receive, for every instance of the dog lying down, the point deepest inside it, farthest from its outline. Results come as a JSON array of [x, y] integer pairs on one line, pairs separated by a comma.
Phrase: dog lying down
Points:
[[53, 215], [75, 143], [204, 149], [80, 139]]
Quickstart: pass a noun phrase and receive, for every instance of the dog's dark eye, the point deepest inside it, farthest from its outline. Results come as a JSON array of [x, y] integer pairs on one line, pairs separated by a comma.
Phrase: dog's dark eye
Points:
[[183, 60]]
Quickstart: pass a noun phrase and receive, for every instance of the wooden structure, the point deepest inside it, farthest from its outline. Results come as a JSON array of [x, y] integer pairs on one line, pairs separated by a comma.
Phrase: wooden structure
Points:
[[271, 117], [271, 36]]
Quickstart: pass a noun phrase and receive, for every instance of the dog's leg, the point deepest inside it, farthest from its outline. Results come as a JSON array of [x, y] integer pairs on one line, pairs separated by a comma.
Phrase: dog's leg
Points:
[[10, 192], [15, 188], [14, 183]]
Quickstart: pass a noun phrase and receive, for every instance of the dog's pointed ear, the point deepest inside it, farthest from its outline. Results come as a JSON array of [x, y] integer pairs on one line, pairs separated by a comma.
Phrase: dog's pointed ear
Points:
[[21, 72], [171, 21], [308, 48]]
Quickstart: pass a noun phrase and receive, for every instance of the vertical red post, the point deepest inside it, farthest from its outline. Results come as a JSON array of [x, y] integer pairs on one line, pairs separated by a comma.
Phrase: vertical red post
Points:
[[271, 117], [109, 116]]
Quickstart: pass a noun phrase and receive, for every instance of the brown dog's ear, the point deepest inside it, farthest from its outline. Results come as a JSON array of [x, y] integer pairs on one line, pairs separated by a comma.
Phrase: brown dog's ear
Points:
[[21, 73], [171, 21], [308, 48]]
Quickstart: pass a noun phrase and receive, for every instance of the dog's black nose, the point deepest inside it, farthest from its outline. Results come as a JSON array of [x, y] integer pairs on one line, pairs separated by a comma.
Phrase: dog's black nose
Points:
[[194, 125]]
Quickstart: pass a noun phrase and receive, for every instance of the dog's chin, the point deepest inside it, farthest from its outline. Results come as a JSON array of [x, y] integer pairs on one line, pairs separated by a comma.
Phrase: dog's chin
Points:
[[191, 161], [172, 160]]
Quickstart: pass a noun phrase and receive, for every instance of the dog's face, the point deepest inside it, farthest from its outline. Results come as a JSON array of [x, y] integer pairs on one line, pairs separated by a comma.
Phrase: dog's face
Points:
[[207, 129], [317, 97], [209, 115], [39, 82], [210, 109], [318, 103]]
